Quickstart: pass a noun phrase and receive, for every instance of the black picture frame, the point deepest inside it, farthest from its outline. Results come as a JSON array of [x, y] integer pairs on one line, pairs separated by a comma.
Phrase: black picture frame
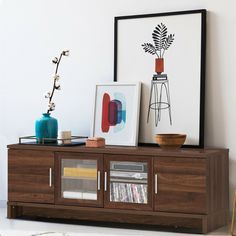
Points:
[[120, 52]]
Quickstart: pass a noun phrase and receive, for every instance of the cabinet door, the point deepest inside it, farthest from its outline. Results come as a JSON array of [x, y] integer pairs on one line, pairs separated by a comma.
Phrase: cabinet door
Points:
[[127, 182], [79, 178], [30, 176], [180, 185]]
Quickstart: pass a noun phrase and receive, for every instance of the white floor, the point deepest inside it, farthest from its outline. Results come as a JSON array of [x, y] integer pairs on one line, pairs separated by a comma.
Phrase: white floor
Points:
[[33, 228]]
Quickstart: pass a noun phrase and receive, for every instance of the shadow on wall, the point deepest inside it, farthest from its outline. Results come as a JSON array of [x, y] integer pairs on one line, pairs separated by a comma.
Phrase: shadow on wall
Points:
[[232, 182], [214, 103], [216, 115]]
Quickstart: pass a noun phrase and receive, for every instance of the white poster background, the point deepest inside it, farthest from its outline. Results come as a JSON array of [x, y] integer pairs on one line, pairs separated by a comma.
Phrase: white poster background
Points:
[[182, 63]]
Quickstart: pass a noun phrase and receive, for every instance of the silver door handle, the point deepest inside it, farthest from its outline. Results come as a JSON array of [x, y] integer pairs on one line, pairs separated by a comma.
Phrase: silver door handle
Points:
[[50, 177], [99, 180], [155, 183], [105, 181]]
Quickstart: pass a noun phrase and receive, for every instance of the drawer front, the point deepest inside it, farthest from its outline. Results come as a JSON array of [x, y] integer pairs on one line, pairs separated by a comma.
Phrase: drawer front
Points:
[[181, 185]]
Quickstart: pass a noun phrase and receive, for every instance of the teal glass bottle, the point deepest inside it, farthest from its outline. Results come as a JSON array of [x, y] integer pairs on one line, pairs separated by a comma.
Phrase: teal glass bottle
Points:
[[46, 128]]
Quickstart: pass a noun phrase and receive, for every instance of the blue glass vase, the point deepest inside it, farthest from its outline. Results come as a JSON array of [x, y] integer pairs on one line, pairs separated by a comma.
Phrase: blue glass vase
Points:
[[46, 129]]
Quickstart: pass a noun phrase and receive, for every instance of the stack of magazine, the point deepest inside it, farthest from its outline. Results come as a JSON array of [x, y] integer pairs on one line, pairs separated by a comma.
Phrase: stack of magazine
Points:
[[128, 192]]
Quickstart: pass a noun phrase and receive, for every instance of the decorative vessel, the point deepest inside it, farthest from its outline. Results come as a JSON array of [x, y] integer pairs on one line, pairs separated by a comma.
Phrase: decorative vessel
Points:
[[46, 128], [170, 141]]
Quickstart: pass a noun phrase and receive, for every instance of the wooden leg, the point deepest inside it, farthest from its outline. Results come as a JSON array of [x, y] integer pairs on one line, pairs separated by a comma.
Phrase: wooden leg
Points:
[[13, 211], [233, 216], [204, 225]]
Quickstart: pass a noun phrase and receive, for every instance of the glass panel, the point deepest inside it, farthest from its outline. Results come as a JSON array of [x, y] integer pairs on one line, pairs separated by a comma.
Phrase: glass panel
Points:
[[128, 182], [79, 179]]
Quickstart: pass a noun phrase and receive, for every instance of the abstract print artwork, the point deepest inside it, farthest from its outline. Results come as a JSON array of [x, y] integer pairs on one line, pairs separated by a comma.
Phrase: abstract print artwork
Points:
[[166, 52], [116, 113], [113, 112]]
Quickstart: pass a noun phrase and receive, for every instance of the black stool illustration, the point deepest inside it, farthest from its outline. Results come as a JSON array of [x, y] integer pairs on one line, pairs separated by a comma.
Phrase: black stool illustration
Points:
[[156, 103]]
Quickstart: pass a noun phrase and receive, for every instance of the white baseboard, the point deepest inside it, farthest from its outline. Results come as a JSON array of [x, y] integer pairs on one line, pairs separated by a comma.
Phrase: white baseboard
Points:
[[3, 203]]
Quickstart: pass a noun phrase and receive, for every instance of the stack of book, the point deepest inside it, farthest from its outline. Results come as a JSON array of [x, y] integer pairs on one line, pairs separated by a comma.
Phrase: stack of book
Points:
[[80, 172], [80, 195]]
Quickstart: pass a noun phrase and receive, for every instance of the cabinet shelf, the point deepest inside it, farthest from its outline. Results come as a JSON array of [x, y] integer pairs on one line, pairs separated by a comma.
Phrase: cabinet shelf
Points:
[[78, 178], [119, 180], [128, 174]]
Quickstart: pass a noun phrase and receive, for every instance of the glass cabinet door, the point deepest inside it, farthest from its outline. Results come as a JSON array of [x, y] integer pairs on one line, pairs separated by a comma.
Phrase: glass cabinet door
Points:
[[128, 184], [80, 181]]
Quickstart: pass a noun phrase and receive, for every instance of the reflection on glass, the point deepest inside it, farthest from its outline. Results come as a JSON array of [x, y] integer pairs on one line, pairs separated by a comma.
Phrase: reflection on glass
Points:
[[128, 182], [79, 179]]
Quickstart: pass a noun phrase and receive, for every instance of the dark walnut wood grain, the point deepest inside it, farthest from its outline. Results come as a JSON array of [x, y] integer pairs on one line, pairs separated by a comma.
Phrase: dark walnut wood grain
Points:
[[181, 185], [28, 176], [191, 191]]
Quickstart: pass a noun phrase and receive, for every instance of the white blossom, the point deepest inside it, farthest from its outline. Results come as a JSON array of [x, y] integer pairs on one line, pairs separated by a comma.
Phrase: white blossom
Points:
[[57, 86], [56, 77], [51, 106], [66, 53], [47, 95], [55, 60]]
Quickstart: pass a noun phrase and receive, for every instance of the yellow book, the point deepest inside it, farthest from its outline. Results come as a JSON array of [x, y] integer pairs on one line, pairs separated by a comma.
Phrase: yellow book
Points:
[[80, 172]]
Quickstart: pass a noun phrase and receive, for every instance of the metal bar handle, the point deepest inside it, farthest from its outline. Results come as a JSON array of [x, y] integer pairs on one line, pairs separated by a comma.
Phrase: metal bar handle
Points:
[[99, 180], [105, 181], [50, 177], [155, 183]]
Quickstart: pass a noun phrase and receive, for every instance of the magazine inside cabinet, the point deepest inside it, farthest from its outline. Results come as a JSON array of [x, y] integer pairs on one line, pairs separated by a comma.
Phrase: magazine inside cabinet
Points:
[[127, 182]]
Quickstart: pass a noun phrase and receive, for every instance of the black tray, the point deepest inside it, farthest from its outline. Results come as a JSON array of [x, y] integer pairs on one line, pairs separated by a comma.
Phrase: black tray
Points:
[[32, 140]]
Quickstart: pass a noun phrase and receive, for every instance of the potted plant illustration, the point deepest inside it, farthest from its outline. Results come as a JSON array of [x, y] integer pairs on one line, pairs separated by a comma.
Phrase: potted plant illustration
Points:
[[162, 42]]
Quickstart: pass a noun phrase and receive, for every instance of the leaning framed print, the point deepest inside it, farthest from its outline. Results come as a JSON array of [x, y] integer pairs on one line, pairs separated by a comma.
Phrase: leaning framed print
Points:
[[116, 113], [166, 52]]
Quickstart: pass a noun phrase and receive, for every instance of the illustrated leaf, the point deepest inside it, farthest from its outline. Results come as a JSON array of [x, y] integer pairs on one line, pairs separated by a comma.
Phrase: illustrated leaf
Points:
[[159, 35], [168, 41], [148, 47]]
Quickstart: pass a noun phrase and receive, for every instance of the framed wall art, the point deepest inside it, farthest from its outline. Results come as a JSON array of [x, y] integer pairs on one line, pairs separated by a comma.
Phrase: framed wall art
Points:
[[166, 52], [116, 113]]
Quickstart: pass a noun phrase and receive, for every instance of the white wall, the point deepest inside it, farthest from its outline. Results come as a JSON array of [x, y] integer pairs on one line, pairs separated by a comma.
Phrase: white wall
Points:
[[33, 32]]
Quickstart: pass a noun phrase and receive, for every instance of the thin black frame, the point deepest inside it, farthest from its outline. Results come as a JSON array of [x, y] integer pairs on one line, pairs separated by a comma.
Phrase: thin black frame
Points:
[[203, 13]]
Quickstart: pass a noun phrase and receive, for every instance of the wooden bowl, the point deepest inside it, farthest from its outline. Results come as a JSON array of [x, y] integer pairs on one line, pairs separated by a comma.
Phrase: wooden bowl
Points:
[[170, 141]]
